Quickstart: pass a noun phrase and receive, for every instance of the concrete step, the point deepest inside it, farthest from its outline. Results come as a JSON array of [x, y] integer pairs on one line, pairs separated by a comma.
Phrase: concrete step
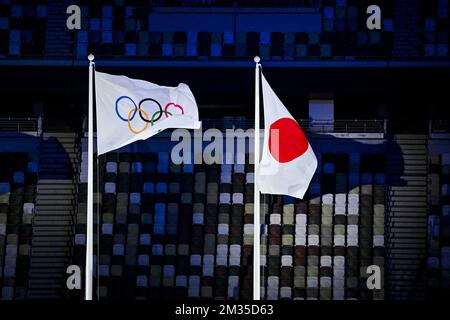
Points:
[[405, 214], [49, 273], [58, 244], [405, 202], [53, 140], [59, 135], [39, 261], [405, 276], [55, 176], [57, 213], [407, 193], [46, 283], [57, 153], [52, 208], [55, 202], [401, 253], [51, 219], [408, 225], [410, 246], [44, 197], [51, 230], [61, 152], [403, 219], [55, 193], [48, 157], [58, 144], [55, 223], [406, 210], [409, 186], [413, 178], [413, 241], [42, 295], [36, 266], [49, 252], [51, 238], [43, 182], [409, 266], [407, 234]]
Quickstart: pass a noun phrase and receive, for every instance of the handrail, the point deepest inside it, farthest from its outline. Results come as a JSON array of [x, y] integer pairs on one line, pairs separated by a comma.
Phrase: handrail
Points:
[[314, 126], [238, 4], [439, 127], [11, 124]]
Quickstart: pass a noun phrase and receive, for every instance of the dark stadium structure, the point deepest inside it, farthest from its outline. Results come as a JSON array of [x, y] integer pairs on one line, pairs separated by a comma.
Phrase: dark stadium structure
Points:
[[380, 195]]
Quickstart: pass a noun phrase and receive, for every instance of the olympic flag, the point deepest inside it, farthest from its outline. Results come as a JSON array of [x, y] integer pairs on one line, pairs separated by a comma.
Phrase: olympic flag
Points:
[[129, 110]]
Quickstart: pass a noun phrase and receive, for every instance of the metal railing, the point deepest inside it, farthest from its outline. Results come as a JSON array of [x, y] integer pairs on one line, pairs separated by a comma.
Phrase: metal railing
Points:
[[345, 126], [439, 127], [245, 3], [313, 126], [21, 124]]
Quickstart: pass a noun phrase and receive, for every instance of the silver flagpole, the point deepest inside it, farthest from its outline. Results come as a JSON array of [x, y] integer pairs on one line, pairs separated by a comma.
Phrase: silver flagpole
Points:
[[257, 205], [90, 186]]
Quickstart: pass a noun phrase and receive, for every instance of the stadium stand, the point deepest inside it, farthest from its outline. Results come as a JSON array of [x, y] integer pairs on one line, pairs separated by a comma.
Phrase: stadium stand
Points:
[[23, 28], [18, 179], [438, 227], [123, 31], [186, 231]]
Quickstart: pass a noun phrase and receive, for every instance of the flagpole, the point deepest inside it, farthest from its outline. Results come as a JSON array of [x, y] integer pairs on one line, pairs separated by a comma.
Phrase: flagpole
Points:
[[257, 205], [90, 186]]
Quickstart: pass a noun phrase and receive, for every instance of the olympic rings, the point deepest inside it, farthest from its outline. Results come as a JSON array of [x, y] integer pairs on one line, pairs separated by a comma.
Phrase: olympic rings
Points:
[[117, 107], [129, 121], [160, 113], [143, 114], [175, 105], [159, 106]]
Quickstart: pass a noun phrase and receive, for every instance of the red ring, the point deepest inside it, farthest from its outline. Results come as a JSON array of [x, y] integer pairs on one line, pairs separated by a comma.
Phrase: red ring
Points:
[[175, 105]]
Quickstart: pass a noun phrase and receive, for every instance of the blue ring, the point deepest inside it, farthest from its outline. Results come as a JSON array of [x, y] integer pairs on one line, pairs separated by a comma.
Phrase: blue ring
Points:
[[117, 108]]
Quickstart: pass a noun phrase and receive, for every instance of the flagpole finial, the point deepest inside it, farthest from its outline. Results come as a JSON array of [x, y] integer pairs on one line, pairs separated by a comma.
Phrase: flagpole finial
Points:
[[257, 59], [91, 57]]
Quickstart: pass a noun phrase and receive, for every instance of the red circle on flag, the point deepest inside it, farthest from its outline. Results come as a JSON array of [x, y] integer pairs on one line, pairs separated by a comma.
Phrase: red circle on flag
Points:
[[292, 140]]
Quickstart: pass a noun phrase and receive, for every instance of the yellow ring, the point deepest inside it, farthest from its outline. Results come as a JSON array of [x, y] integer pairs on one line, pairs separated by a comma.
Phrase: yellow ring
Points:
[[129, 119]]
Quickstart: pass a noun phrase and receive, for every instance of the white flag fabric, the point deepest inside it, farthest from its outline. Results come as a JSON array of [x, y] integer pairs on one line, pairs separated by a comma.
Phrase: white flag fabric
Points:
[[129, 110], [288, 162]]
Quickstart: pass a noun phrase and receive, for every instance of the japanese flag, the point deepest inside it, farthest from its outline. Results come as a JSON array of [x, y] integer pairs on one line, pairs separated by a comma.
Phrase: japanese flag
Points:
[[288, 162]]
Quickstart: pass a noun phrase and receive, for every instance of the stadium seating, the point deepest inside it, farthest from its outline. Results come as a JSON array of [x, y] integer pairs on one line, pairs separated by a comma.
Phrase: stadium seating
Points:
[[438, 265], [187, 231], [23, 28], [122, 30], [18, 179], [445, 223]]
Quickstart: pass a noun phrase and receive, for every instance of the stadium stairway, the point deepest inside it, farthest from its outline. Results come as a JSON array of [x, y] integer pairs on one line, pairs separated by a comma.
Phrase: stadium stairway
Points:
[[53, 222], [59, 39], [407, 216]]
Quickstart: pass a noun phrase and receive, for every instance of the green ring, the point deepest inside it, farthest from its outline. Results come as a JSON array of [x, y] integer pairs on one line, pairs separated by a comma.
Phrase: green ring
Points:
[[158, 112]]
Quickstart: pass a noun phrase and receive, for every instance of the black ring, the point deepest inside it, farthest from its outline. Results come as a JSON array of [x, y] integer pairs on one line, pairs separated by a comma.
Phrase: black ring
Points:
[[160, 110]]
